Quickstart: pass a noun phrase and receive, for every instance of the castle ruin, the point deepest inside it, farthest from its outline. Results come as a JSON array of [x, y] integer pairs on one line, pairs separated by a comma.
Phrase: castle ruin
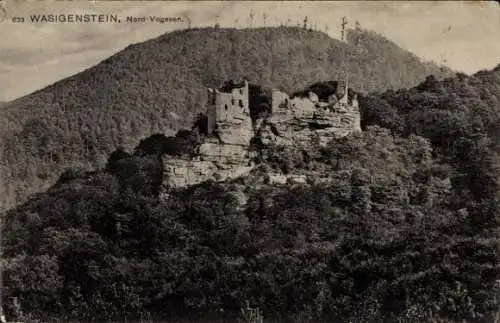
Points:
[[227, 103], [292, 120]]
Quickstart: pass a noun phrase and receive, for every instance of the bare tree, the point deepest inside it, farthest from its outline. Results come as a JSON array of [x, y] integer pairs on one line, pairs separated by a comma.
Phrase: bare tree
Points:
[[357, 26], [188, 21], [343, 25], [443, 63], [252, 14], [443, 59]]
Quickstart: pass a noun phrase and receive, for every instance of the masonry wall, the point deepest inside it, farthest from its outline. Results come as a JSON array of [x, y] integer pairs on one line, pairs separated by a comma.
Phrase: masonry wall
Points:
[[211, 110], [230, 105], [280, 101], [302, 106]]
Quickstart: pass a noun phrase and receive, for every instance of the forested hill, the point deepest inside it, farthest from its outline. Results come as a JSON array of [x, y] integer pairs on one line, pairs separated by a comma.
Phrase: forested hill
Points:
[[450, 113], [160, 84], [406, 229]]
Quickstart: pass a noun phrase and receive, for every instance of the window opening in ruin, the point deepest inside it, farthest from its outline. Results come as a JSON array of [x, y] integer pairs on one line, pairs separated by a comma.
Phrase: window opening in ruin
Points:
[[241, 91], [240, 102], [233, 101], [225, 106]]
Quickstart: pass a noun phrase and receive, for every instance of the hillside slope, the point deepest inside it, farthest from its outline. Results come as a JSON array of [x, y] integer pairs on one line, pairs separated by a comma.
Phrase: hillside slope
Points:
[[159, 85], [386, 240], [406, 228], [462, 107]]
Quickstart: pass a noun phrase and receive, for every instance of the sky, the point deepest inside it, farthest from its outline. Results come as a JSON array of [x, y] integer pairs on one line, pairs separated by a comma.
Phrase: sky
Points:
[[462, 35]]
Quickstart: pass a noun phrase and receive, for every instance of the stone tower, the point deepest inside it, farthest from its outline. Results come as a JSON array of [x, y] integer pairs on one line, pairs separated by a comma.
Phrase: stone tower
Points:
[[229, 102]]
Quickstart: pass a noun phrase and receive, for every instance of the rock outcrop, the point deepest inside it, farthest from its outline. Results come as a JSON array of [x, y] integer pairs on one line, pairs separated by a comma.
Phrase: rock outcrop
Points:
[[294, 122], [184, 172], [302, 121], [224, 153]]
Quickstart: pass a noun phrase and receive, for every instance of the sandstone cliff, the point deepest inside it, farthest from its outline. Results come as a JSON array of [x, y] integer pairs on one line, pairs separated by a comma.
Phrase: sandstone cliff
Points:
[[227, 152], [221, 156]]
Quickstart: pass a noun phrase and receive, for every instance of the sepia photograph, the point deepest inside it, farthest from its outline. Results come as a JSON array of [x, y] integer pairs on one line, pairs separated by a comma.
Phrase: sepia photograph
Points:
[[249, 161]]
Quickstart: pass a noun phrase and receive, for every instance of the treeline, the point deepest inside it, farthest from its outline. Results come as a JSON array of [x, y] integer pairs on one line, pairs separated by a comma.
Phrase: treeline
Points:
[[159, 86]]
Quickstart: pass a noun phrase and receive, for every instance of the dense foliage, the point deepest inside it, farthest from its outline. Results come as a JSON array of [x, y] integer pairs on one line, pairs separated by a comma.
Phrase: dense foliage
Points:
[[385, 239], [404, 229], [159, 86], [460, 116]]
